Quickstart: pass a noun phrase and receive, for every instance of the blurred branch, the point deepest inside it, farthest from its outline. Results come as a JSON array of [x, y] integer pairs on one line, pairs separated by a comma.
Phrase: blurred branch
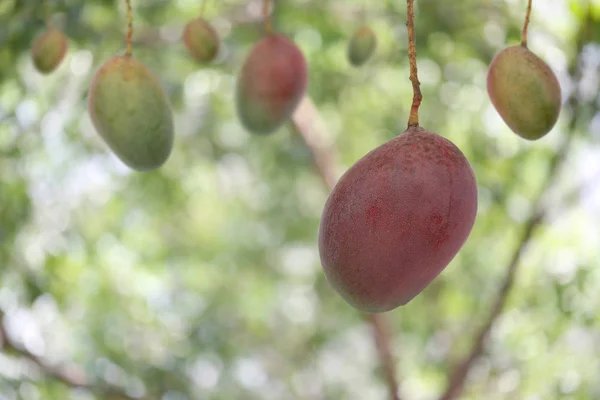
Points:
[[539, 214], [307, 124], [69, 374]]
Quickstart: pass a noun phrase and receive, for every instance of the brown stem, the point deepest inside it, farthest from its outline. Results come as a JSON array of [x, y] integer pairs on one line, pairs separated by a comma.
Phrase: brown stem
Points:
[[459, 373], [382, 342], [129, 26], [539, 214], [526, 24], [307, 124], [202, 8], [70, 375], [413, 120], [48, 13], [267, 16]]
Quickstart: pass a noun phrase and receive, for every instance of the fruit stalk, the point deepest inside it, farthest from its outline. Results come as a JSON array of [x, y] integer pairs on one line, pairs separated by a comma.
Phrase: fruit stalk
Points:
[[129, 26], [267, 16], [47, 13], [413, 120], [202, 8], [526, 24], [306, 123]]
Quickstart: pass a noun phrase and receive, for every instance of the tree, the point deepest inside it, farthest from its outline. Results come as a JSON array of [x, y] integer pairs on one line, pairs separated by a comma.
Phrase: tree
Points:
[[202, 279]]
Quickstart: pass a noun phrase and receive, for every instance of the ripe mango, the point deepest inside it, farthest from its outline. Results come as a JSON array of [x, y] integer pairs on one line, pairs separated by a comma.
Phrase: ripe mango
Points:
[[201, 40], [271, 83], [396, 219], [361, 46], [524, 91], [48, 50], [130, 110]]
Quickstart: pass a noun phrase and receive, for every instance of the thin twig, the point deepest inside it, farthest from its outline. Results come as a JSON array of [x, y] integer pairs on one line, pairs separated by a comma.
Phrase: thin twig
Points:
[[267, 16], [538, 215], [70, 375], [413, 120], [526, 24], [202, 8], [307, 124], [459, 373], [129, 26], [48, 13]]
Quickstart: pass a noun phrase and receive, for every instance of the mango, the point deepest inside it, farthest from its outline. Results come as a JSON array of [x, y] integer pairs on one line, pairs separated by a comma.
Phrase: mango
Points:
[[271, 83], [201, 40], [396, 219], [48, 50], [524, 91], [361, 46], [130, 111]]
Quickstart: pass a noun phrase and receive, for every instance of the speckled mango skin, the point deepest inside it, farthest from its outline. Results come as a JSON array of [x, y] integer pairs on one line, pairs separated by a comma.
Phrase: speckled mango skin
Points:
[[271, 83], [524, 91], [396, 219], [48, 50], [201, 40], [130, 110], [361, 46]]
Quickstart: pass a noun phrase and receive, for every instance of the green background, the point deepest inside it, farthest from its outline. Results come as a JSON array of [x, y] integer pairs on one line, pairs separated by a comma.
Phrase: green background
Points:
[[202, 280]]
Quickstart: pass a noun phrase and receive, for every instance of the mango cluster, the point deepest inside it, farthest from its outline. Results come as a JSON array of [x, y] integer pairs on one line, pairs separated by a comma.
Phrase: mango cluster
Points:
[[397, 217]]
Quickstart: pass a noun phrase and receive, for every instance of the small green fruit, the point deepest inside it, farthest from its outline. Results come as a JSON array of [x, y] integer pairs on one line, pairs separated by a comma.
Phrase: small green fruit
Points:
[[48, 50], [524, 91], [271, 84], [201, 40], [361, 46], [130, 110]]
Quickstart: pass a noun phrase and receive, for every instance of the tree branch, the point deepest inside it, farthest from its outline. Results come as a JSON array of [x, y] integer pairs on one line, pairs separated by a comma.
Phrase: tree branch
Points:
[[69, 374], [538, 215], [308, 125]]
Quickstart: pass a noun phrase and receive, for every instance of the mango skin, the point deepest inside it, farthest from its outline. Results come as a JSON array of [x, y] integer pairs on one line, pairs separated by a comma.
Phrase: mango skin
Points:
[[396, 219], [48, 50], [201, 40], [130, 111], [361, 46], [524, 91], [271, 83]]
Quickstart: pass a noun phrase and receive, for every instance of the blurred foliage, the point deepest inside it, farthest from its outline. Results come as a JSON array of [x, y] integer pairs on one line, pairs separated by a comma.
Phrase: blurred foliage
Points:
[[202, 280]]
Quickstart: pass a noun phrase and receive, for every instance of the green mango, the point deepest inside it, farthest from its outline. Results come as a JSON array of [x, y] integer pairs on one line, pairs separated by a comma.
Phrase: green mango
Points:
[[48, 50], [271, 84], [361, 46], [524, 91], [201, 40], [131, 112]]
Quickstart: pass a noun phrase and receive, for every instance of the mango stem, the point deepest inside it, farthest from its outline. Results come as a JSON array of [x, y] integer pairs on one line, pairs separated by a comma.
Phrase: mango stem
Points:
[[526, 24], [413, 120], [267, 16], [129, 26], [202, 8]]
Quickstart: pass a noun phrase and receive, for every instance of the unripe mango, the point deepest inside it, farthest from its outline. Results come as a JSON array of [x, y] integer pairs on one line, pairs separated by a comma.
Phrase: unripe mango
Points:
[[396, 219], [524, 91], [271, 84], [201, 40], [48, 50], [130, 110], [361, 46]]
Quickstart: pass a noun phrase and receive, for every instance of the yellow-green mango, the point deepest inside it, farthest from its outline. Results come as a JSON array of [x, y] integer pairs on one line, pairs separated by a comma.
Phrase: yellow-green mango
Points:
[[201, 40], [524, 91], [48, 50], [361, 46], [131, 112]]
